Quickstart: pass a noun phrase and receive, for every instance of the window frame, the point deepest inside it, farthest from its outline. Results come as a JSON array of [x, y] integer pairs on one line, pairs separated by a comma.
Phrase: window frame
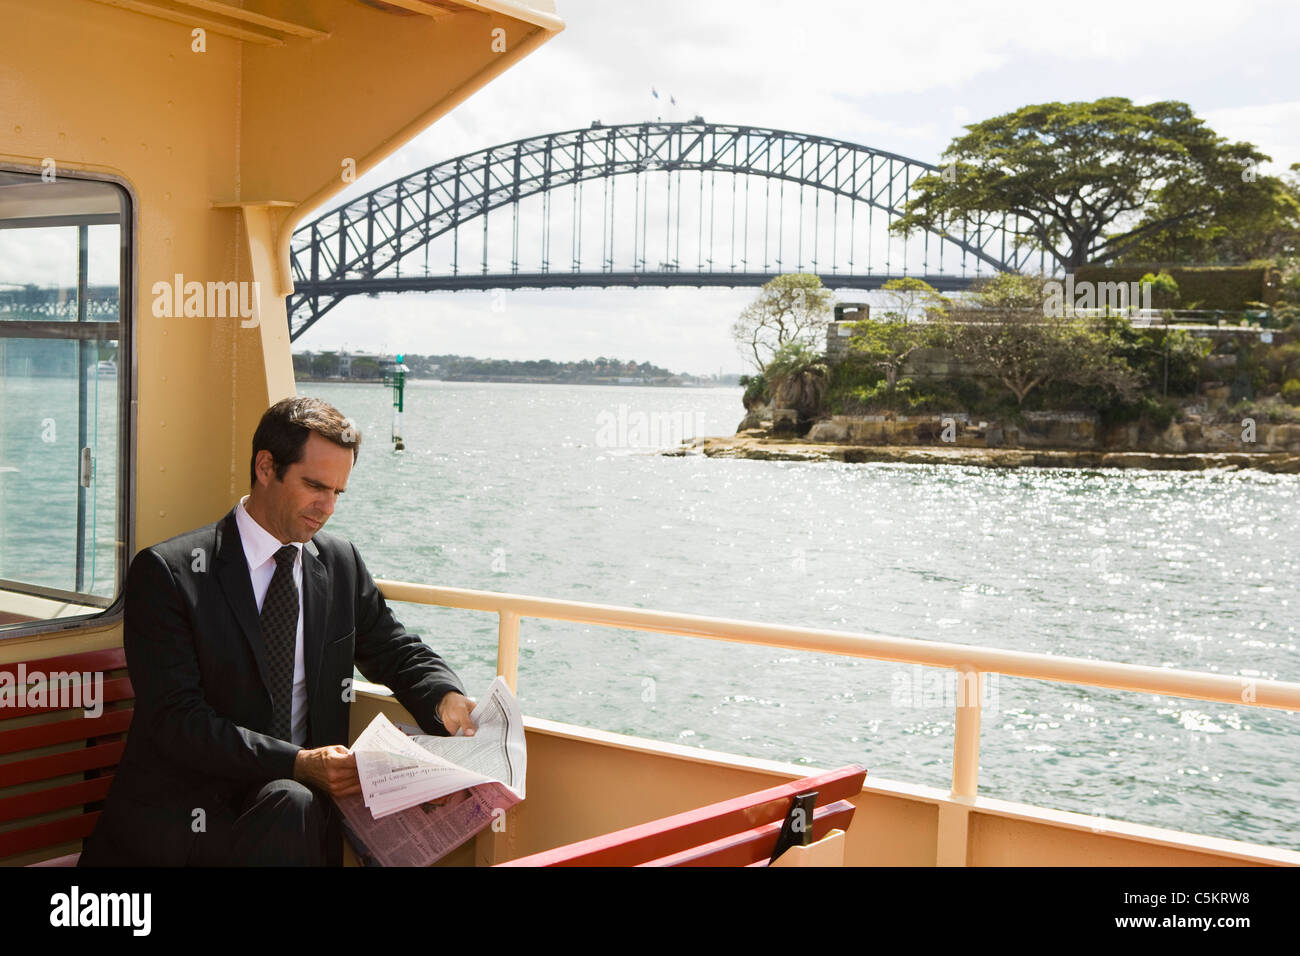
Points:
[[127, 412]]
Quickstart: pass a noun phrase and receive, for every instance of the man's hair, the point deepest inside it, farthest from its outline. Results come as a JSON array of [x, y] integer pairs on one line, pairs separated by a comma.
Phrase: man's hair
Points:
[[285, 426]]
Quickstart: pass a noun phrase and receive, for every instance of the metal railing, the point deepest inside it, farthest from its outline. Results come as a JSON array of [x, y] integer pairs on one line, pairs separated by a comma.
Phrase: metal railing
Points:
[[970, 663]]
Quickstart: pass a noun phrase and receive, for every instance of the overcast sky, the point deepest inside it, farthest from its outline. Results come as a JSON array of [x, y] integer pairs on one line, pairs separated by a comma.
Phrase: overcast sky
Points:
[[898, 77]]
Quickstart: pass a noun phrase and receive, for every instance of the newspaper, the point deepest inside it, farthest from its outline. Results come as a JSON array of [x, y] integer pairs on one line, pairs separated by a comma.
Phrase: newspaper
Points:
[[423, 796]]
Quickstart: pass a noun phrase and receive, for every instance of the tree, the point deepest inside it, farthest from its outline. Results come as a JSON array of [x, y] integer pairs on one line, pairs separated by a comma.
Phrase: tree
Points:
[[1091, 181], [913, 298], [325, 365], [1008, 338], [1259, 223], [887, 342], [792, 308], [364, 368], [1010, 291]]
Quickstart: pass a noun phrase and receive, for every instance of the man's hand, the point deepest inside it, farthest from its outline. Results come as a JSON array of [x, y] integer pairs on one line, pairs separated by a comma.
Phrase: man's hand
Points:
[[454, 710], [331, 769]]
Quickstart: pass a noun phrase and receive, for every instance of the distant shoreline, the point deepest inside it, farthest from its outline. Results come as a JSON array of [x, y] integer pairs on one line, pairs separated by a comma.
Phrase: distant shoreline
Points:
[[501, 380]]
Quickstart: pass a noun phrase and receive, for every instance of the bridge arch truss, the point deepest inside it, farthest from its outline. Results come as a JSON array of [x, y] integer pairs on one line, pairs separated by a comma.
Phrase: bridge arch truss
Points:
[[369, 244]]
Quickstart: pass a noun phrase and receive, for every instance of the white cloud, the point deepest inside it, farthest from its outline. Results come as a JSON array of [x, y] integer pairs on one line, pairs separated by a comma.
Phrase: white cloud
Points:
[[1273, 127]]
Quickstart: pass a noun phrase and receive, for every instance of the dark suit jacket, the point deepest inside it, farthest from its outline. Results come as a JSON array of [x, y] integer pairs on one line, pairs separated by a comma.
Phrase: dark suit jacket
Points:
[[198, 738]]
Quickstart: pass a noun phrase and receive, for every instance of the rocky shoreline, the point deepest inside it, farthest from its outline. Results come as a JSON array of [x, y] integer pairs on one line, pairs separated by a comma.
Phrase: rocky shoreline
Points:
[[758, 446]]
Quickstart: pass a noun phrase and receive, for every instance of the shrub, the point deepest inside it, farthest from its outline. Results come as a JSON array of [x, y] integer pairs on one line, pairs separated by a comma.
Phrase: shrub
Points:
[[1164, 289], [1291, 391], [1159, 412], [756, 391]]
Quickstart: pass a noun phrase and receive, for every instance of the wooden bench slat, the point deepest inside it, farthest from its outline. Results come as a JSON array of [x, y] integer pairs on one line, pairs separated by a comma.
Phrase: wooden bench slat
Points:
[[13, 842], [64, 731], [35, 769], [108, 659], [48, 767], [755, 846], [54, 798], [692, 828], [119, 688]]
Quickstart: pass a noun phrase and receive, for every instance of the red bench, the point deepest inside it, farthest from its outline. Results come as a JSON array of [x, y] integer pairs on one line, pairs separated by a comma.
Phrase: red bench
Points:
[[56, 764], [742, 831]]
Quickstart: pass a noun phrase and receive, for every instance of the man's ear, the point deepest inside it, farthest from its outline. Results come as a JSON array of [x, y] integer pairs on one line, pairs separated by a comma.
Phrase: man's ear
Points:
[[264, 467]]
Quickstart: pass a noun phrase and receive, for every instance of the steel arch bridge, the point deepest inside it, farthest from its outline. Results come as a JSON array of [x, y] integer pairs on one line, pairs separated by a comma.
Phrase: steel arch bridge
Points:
[[375, 243]]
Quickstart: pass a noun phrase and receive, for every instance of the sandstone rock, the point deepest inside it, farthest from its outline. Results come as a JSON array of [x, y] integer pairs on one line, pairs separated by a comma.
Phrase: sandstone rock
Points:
[[831, 431], [1127, 459], [1288, 465], [1285, 437], [1171, 439], [785, 422]]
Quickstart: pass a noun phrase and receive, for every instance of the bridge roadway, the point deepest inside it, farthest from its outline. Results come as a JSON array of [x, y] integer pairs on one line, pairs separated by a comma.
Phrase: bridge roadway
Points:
[[575, 280]]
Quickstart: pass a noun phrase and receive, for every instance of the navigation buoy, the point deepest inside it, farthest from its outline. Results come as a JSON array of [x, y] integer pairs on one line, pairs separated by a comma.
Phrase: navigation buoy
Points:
[[396, 376]]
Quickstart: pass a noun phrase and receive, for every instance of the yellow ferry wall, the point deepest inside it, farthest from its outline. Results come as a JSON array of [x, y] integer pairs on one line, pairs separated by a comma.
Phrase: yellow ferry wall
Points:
[[225, 151]]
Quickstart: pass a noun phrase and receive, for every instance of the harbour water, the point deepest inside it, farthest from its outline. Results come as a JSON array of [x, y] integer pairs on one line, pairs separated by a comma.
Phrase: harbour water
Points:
[[555, 491]]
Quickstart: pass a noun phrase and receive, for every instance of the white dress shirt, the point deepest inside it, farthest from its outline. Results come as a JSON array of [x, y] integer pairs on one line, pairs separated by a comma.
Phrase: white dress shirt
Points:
[[259, 549]]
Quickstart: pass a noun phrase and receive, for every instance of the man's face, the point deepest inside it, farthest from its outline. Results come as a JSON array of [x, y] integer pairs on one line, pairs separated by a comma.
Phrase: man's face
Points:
[[297, 507]]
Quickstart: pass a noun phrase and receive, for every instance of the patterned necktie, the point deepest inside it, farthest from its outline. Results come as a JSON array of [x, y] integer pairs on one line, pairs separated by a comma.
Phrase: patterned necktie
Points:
[[280, 638]]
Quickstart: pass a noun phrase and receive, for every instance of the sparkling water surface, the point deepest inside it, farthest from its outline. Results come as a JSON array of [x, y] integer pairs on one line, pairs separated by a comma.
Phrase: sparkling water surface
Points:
[[552, 491]]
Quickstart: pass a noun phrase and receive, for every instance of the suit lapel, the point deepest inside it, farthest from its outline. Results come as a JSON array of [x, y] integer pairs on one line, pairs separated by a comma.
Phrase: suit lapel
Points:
[[315, 611], [237, 585]]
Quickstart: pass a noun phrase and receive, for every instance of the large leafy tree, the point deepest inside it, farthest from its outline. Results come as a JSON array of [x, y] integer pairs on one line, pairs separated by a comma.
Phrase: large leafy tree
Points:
[[792, 308], [1091, 181]]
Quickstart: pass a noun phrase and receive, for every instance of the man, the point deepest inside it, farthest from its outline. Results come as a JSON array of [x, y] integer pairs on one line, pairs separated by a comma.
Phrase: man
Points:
[[240, 641]]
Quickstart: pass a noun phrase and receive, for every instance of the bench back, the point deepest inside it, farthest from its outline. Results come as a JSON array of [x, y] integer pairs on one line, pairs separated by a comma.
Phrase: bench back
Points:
[[56, 763], [738, 832]]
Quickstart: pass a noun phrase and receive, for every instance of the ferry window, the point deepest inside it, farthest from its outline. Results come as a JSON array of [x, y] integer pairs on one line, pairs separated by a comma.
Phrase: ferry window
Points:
[[64, 395]]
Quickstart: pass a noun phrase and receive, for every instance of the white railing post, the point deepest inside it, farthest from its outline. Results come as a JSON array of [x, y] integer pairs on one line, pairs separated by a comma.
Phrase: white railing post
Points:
[[966, 735], [954, 817], [508, 648]]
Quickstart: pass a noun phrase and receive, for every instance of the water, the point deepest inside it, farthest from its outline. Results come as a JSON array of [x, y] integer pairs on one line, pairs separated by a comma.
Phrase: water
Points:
[[39, 470]]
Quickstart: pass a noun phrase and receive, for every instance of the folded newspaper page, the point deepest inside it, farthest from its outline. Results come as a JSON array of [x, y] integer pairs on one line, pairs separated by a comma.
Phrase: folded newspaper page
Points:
[[423, 796]]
